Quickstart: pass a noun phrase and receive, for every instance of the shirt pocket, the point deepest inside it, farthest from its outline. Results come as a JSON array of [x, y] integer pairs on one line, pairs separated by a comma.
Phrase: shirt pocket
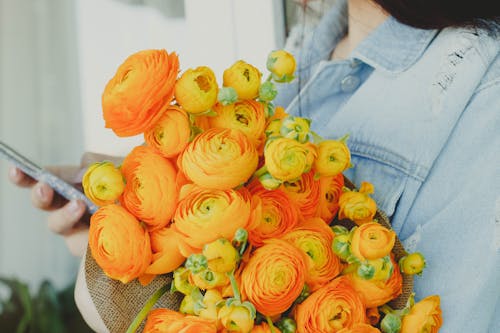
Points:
[[388, 181]]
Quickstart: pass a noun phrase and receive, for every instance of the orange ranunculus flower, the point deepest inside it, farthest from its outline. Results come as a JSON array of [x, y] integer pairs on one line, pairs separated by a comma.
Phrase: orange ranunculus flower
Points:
[[424, 316], [305, 193], [134, 98], [205, 215], [333, 157], [278, 214], [287, 159], [358, 206], [171, 134], [315, 239], [119, 244], [330, 192], [378, 292], [244, 78], [372, 241], [330, 309], [151, 191], [360, 328], [103, 183], [219, 158], [166, 254], [274, 277], [264, 328], [247, 116], [169, 321], [196, 90]]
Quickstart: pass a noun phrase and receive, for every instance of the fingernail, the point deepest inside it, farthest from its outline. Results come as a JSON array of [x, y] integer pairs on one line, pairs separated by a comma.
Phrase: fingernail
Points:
[[40, 191], [74, 208], [14, 173]]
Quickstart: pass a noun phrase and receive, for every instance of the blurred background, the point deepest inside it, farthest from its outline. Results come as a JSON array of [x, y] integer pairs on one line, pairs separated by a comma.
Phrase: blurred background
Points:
[[56, 56]]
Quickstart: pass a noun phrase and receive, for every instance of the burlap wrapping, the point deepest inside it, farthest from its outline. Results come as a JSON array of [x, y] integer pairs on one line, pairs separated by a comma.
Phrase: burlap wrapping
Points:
[[119, 303]]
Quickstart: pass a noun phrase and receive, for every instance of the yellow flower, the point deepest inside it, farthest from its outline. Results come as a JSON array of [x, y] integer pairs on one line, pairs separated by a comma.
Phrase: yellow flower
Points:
[[236, 318], [333, 157], [424, 317], [247, 116], [358, 206], [210, 300], [221, 255], [208, 279], [282, 65], [244, 78], [296, 128], [196, 90], [413, 263], [103, 183], [286, 159]]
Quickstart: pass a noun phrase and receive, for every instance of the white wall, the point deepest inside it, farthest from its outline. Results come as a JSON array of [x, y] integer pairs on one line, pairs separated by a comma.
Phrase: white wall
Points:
[[213, 33]]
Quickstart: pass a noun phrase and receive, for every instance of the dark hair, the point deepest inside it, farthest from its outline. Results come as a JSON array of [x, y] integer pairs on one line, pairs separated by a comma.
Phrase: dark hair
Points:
[[438, 14]]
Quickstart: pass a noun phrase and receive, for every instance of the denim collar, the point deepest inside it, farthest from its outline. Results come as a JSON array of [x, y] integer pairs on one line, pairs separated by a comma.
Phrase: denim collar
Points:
[[392, 46]]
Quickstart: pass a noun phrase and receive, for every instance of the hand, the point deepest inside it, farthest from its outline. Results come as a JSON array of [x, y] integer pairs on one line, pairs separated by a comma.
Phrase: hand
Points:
[[68, 219]]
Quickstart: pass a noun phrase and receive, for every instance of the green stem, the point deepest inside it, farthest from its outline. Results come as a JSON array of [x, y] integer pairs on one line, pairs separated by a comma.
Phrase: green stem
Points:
[[234, 286], [271, 325], [147, 307]]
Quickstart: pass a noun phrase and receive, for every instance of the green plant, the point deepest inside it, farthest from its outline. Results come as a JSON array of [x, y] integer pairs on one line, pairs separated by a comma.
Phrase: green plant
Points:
[[47, 311]]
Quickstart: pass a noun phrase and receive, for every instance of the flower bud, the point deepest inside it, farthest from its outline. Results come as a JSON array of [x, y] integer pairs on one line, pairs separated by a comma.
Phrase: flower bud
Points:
[[222, 257], [296, 128], [103, 183], [244, 78], [196, 263], [227, 95], [240, 240], [413, 263], [287, 325], [383, 268], [237, 318], [391, 323], [181, 281], [273, 128], [282, 65], [366, 271], [341, 246], [196, 90], [269, 182], [333, 157], [208, 279], [267, 91], [192, 303], [210, 300]]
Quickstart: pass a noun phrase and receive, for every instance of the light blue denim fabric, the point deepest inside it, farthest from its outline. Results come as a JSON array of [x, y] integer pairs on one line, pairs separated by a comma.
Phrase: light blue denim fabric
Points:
[[422, 108]]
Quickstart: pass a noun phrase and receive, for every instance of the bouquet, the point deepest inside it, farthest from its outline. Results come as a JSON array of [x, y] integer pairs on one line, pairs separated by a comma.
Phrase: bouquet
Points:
[[240, 211]]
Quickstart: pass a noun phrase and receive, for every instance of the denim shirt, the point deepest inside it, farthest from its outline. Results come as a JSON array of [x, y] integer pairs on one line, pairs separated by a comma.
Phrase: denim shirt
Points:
[[422, 110]]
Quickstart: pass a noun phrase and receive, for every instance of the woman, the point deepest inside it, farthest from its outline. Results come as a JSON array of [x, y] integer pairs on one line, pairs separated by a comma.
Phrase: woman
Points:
[[421, 108]]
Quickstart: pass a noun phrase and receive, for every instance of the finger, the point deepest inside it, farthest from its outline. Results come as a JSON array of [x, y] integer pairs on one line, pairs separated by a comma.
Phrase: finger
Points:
[[62, 221], [42, 196], [19, 178]]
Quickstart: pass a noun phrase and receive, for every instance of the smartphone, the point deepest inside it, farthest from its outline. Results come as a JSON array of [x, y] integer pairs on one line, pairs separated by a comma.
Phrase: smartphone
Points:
[[42, 175]]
